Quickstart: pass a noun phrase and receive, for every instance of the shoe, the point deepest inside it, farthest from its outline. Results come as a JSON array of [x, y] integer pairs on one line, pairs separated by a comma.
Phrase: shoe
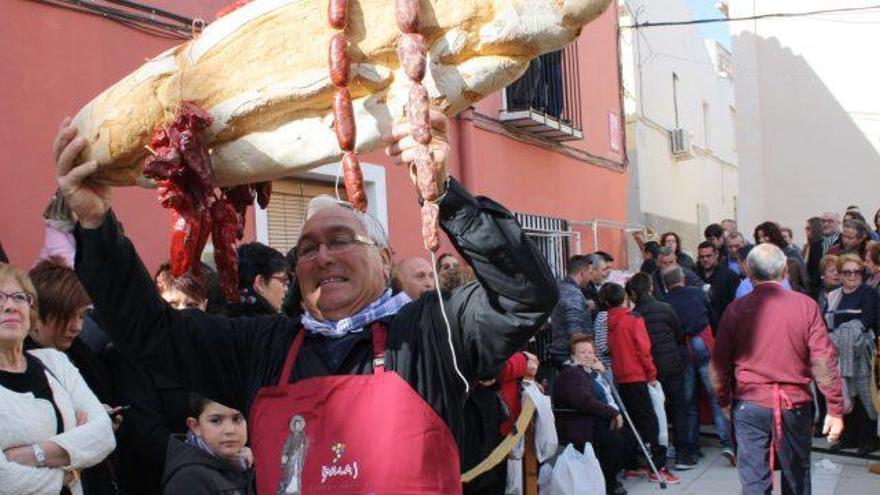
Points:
[[874, 468], [635, 473], [670, 478], [685, 463], [728, 454]]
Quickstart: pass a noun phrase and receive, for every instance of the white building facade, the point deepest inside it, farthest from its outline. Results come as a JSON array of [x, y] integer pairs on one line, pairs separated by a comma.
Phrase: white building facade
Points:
[[808, 116], [680, 111]]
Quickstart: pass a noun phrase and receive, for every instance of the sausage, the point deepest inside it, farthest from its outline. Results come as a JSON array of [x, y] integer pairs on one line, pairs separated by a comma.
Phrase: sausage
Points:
[[411, 51], [336, 11], [431, 226], [406, 12], [343, 113], [354, 181], [418, 112], [427, 173], [339, 62]]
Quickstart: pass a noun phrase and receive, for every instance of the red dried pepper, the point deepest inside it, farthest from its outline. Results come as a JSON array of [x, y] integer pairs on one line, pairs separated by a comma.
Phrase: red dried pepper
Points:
[[224, 229]]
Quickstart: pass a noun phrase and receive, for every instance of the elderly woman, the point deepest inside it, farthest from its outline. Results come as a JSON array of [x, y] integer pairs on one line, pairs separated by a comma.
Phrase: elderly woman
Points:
[[851, 315], [585, 409], [51, 424], [829, 279], [673, 241]]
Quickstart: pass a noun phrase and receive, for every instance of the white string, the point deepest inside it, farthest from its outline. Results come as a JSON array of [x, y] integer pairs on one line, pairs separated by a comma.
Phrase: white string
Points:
[[467, 387], [336, 185]]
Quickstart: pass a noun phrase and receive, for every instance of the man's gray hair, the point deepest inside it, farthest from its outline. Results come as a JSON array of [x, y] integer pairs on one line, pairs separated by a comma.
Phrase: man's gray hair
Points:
[[672, 276], [665, 251], [374, 229], [766, 262]]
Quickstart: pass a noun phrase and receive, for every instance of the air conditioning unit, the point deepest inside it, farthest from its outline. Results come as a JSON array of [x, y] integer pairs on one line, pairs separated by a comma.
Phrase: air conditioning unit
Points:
[[680, 143]]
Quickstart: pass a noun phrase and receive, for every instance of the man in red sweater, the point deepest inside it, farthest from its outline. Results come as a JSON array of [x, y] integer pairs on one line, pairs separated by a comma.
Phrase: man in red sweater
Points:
[[634, 369], [770, 345]]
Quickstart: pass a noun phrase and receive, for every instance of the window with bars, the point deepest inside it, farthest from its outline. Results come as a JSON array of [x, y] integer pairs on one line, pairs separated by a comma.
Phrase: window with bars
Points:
[[550, 235], [287, 210]]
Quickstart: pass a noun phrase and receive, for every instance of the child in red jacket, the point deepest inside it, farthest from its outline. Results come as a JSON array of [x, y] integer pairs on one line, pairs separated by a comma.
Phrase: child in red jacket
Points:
[[634, 369]]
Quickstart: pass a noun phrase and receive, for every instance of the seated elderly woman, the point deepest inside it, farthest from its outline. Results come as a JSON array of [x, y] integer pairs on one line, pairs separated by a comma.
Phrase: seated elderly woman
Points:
[[585, 409], [51, 424]]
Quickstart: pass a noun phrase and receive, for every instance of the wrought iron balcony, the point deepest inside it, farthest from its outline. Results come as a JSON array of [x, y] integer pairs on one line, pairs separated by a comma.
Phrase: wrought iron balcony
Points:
[[546, 101]]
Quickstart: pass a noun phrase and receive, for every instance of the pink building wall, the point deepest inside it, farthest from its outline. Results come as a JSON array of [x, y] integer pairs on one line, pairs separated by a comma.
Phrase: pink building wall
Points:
[[57, 60]]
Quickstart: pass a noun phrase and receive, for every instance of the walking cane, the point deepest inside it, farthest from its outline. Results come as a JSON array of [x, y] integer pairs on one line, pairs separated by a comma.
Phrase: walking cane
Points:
[[657, 473]]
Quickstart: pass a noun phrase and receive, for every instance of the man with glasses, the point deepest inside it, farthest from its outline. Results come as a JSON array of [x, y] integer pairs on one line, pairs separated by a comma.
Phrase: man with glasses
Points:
[[378, 385]]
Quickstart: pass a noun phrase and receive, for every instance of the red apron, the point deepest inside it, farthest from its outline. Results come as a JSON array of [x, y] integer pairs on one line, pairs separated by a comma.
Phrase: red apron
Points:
[[363, 434]]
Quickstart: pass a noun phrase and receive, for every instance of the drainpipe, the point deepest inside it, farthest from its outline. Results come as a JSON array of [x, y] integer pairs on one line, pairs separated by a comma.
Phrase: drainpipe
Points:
[[464, 126]]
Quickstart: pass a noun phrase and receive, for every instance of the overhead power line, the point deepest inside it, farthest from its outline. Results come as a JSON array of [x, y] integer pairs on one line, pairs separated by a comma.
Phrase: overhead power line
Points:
[[646, 24], [174, 26]]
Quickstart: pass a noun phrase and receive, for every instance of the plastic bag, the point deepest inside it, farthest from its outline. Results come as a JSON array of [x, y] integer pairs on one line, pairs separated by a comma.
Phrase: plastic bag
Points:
[[658, 399], [576, 474]]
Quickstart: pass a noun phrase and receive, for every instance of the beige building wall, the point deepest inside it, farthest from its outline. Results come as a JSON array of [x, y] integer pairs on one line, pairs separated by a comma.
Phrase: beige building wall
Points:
[[675, 79], [808, 111]]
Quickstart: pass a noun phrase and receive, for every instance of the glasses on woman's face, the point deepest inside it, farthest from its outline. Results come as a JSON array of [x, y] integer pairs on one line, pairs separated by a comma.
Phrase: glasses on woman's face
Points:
[[285, 281], [19, 298], [851, 273]]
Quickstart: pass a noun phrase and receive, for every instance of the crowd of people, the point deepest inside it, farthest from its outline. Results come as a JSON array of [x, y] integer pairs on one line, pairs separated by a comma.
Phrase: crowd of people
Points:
[[679, 325], [115, 381]]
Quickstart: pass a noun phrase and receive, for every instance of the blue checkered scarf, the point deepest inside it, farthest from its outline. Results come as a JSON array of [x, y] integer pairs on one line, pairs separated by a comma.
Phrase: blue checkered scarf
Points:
[[386, 305]]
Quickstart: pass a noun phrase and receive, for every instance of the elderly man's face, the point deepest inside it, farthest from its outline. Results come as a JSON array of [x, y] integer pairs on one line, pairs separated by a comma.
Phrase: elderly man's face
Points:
[[664, 262], [417, 277], [598, 272], [734, 244], [829, 224], [449, 263], [337, 284]]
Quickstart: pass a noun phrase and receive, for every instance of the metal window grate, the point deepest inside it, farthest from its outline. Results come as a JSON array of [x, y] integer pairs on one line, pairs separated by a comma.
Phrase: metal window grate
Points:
[[546, 100], [550, 235]]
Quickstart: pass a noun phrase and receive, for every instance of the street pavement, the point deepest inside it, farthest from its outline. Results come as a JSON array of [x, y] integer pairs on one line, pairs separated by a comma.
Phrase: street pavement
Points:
[[715, 476]]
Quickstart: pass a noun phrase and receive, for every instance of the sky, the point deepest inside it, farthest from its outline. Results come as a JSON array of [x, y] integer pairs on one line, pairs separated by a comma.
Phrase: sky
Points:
[[705, 9]]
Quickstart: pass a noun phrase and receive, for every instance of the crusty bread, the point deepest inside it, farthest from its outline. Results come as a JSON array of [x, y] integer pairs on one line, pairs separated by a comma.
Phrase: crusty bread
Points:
[[262, 72]]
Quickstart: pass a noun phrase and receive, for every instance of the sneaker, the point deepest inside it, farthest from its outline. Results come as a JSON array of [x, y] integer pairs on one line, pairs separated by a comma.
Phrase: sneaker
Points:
[[670, 478], [728, 454], [685, 463], [636, 473]]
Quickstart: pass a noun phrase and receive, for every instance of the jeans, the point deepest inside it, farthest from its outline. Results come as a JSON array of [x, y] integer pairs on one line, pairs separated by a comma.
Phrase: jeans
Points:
[[699, 364], [754, 429]]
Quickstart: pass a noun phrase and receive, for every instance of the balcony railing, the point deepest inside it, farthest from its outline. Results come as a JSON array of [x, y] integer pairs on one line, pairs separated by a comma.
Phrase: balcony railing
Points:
[[546, 100]]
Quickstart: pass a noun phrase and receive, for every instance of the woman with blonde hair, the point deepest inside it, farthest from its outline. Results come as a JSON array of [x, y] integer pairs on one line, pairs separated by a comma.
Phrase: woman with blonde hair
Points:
[[51, 424]]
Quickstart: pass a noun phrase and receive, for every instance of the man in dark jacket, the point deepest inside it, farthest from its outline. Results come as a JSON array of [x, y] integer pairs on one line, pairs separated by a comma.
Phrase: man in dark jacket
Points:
[[571, 314], [722, 281], [666, 258], [343, 267], [695, 314], [668, 350]]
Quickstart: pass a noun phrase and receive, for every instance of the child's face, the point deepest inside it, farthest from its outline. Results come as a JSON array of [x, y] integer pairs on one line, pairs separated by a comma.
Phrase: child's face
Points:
[[224, 429]]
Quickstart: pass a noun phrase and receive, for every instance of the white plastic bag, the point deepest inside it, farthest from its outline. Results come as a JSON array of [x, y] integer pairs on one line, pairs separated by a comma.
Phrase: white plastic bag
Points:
[[658, 399], [546, 441], [576, 474]]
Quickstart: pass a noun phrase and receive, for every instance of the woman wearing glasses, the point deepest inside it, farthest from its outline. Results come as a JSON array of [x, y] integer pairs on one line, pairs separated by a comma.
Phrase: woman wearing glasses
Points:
[[851, 315], [262, 281], [51, 424]]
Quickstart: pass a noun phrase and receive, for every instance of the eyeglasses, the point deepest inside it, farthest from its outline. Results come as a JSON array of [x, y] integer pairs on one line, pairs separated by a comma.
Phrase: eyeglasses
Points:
[[19, 298], [308, 250], [282, 278], [851, 273]]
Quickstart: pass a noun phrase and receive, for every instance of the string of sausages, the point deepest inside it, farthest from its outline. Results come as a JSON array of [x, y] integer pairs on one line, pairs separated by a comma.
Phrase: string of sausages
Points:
[[343, 112], [412, 52]]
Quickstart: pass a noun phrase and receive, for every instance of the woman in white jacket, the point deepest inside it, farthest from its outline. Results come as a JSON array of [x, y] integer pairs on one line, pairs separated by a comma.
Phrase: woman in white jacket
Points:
[[51, 424]]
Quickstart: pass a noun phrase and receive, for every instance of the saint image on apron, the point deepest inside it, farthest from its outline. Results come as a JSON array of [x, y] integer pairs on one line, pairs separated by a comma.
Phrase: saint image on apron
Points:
[[293, 457]]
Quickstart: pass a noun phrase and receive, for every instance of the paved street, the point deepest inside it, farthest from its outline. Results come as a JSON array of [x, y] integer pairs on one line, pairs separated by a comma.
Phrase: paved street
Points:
[[848, 476]]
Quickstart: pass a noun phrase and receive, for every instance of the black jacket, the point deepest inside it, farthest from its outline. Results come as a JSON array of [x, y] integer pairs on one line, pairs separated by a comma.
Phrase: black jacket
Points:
[[192, 471], [723, 284], [230, 359], [691, 279], [667, 336]]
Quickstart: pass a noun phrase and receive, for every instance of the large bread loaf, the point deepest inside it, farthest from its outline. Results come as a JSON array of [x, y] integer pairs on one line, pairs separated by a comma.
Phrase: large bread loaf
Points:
[[262, 72]]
